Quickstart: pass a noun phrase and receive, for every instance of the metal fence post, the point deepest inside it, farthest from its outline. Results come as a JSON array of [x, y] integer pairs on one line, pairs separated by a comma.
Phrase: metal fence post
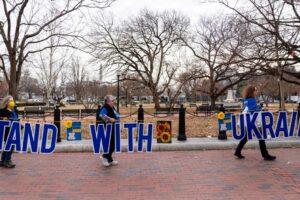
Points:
[[57, 121], [222, 134], [140, 117], [181, 129]]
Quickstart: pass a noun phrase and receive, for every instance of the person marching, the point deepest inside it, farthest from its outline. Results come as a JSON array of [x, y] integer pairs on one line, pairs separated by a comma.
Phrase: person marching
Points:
[[108, 114], [251, 106], [7, 112]]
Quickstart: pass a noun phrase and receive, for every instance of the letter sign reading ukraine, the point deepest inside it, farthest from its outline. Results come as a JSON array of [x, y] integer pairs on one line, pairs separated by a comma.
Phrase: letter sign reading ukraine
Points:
[[260, 124]]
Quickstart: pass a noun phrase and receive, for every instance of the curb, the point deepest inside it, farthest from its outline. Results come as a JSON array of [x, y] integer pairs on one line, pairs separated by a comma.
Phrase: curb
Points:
[[190, 144]]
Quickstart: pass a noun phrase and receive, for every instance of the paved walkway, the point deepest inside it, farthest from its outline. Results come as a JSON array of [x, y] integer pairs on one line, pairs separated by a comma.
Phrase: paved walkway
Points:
[[213, 174]]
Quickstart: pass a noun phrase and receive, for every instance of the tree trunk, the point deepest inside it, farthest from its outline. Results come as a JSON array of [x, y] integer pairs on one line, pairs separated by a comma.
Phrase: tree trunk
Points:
[[193, 95], [48, 94], [282, 100], [156, 100], [267, 103], [13, 79], [213, 101]]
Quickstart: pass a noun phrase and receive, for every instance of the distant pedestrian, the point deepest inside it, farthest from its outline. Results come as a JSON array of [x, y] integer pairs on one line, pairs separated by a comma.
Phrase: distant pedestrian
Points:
[[108, 114], [250, 105], [8, 113]]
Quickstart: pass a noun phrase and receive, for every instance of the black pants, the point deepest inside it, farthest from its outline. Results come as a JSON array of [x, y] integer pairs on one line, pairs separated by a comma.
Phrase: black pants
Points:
[[6, 155], [111, 147], [262, 146]]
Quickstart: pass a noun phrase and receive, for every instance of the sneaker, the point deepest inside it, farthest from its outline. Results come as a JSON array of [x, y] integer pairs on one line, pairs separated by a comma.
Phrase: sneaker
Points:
[[269, 157], [114, 163], [9, 164], [239, 155], [105, 162]]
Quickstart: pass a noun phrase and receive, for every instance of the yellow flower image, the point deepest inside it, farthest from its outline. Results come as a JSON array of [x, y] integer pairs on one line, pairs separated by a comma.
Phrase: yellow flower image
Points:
[[68, 124], [160, 128], [165, 137], [221, 115]]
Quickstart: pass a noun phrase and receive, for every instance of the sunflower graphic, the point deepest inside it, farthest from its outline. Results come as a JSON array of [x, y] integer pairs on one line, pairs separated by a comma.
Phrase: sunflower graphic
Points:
[[160, 128], [165, 137], [164, 132], [68, 124], [221, 115]]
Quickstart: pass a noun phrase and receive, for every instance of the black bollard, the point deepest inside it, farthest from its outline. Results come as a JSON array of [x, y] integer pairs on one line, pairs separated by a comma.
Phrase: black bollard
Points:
[[140, 117], [141, 114], [57, 122], [222, 109], [222, 134], [181, 129], [97, 115]]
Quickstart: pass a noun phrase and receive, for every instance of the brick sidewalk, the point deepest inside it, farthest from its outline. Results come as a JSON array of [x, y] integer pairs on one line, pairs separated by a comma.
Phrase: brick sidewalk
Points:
[[158, 175]]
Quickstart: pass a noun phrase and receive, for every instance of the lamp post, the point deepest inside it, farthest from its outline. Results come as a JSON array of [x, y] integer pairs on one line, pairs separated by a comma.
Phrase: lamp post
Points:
[[126, 95], [118, 89], [43, 96]]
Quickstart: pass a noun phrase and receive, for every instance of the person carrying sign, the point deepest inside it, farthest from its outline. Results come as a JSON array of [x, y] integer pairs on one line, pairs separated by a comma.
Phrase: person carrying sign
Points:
[[7, 113], [108, 114], [250, 105]]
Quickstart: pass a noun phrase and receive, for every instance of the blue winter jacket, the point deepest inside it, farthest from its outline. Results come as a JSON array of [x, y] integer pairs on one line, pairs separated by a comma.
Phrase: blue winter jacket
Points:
[[251, 104]]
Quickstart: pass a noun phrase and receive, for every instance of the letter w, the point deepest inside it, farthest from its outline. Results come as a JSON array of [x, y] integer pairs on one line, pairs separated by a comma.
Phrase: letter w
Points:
[[101, 137]]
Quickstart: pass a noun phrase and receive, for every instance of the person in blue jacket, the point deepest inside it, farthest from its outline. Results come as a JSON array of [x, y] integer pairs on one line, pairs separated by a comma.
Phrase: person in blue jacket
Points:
[[251, 106], [7, 112], [108, 114]]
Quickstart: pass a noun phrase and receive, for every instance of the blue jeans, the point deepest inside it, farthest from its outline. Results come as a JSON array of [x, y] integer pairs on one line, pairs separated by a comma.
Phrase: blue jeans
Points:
[[6, 155]]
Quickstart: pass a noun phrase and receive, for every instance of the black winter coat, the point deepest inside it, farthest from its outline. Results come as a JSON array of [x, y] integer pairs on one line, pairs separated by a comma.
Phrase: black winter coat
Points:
[[5, 115]]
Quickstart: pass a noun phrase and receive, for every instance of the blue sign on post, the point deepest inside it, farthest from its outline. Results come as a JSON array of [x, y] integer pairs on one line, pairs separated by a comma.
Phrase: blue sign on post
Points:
[[225, 123], [74, 132]]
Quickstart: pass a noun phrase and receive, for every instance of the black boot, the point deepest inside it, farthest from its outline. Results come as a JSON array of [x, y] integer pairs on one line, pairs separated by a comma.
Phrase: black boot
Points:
[[9, 164], [269, 157], [239, 155], [264, 152], [240, 147]]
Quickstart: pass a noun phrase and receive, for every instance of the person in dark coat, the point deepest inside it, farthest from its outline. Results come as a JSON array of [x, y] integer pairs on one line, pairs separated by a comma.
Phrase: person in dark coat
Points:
[[108, 114], [250, 105], [7, 112]]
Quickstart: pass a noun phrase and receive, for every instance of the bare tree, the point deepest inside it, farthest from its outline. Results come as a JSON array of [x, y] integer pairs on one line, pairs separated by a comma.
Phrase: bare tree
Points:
[[3, 88], [50, 62], [23, 25], [143, 45], [278, 22], [78, 78], [91, 94], [29, 84], [219, 45], [279, 19], [190, 80], [49, 70], [130, 88]]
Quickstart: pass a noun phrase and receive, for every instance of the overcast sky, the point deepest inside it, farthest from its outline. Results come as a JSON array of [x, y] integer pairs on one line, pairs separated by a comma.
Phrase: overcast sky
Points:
[[192, 8], [122, 9]]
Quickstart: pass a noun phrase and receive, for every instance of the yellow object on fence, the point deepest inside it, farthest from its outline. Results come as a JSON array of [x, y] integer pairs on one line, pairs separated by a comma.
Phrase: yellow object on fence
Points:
[[68, 124], [221, 115]]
